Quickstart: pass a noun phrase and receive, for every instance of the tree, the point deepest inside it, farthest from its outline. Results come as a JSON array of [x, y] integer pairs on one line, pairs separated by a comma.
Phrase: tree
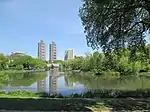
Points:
[[27, 62], [87, 63], [38, 63], [113, 24], [58, 61], [74, 64], [4, 78], [3, 62], [22, 62]]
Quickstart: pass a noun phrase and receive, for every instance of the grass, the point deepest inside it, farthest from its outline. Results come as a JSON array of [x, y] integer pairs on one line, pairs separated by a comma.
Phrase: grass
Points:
[[19, 94], [49, 104], [23, 100], [89, 94], [20, 71], [73, 104]]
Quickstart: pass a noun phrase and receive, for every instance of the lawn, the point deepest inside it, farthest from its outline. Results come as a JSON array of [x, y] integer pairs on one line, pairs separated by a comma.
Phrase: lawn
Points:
[[73, 104], [48, 104], [23, 100]]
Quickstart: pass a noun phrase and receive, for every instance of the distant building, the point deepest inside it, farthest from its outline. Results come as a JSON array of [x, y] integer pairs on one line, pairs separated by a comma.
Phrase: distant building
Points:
[[42, 50], [69, 54], [15, 55], [52, 52]]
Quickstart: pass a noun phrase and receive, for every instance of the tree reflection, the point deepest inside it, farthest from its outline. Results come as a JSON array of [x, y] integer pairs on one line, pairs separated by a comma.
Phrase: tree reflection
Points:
[[23, 79], [122, 83]]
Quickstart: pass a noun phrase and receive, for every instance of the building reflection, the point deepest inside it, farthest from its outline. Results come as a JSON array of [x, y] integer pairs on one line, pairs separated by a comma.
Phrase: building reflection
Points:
[[50, 83], [53, 80], [41, 86]]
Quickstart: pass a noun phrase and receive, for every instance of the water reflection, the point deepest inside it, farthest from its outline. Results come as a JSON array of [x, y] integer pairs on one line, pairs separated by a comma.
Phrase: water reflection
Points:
[[41, 86], [68, 83], [24, 81], [53, 82], [50, 82], [123, 83]]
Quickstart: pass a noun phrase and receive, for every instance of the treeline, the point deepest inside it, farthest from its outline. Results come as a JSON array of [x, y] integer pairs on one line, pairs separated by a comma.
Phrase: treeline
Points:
[[124, 64], [20, 62]]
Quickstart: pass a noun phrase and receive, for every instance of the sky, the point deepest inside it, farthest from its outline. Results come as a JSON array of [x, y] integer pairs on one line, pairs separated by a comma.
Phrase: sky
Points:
[[24, 22]]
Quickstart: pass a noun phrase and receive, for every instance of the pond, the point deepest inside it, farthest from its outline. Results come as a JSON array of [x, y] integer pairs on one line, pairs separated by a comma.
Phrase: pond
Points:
[[54, 82], [49, 82]]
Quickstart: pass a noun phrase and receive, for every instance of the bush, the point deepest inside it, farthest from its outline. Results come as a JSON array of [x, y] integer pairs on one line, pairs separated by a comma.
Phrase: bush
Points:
[[21, 93], [105, 93]]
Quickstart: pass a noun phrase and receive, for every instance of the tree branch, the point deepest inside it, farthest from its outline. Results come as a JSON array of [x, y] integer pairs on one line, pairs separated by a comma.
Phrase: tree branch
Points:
[[134, 26]]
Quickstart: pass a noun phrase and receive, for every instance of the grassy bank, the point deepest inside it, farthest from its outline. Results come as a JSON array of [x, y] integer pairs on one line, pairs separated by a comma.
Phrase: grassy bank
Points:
[[23, 100], [89, 94], [51, 104], [19, 94], [74, 104], [21, 71]]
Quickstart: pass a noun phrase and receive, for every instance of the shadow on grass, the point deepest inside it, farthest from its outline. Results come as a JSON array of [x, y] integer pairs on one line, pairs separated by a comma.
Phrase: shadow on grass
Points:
[[128, 104], [45, 104], [73, 104]]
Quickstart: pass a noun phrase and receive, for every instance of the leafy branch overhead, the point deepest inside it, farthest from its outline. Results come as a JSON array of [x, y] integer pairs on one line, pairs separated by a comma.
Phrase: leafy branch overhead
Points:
[[112, 24]]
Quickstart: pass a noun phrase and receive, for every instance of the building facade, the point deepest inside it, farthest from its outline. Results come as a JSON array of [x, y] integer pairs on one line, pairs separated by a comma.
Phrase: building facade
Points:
[[69, 54], [15, 55], [52, 52], [42, 50]]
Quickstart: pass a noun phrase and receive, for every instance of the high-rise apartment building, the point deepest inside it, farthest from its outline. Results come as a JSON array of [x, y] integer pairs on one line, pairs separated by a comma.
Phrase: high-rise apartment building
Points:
[[52, 52], [42, 50], [69, 54]]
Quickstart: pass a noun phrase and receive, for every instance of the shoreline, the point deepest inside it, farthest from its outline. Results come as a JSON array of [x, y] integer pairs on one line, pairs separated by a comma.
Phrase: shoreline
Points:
[[21, 71]]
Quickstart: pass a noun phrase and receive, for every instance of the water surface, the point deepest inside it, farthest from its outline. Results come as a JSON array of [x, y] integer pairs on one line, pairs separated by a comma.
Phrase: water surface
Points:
[[53, 82], [49, 82]]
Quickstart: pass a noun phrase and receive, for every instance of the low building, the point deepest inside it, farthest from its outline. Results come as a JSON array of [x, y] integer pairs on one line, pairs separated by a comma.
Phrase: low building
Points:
[[69, 54], [15, 55]]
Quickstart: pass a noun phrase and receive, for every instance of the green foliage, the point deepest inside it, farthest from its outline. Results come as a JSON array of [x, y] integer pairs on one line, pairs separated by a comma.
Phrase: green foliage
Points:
[[108, 93], [18, 94], [58, 61], [101, 64], [113, 24], [111, 80], [38, 63], [74, 64], [86, 65], [3, 79], [3, 62], [25, 79], [20, 79], [26, 62], [22, 94]]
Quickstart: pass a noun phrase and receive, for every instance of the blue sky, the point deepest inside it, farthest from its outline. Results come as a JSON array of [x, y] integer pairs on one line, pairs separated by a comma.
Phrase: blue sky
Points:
[[24, 22]]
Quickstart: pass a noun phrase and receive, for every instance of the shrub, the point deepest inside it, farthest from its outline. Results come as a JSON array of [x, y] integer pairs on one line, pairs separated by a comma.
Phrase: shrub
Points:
[[104, 93]]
